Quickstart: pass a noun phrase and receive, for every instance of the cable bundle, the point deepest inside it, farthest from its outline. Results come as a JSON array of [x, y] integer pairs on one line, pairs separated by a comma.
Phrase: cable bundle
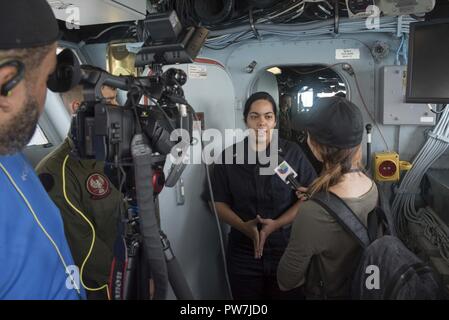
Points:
[[222, 14], [220, 39], [404, 209]]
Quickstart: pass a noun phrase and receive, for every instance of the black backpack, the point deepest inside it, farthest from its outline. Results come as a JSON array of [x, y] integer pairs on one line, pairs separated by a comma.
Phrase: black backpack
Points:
[[387, 269]]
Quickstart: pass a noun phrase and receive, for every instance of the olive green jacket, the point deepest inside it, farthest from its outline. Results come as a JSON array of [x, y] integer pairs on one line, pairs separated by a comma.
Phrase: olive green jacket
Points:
[[92, 193]]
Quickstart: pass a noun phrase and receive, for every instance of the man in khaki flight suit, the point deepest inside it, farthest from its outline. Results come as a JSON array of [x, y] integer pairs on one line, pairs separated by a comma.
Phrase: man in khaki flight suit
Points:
[[91, 192]]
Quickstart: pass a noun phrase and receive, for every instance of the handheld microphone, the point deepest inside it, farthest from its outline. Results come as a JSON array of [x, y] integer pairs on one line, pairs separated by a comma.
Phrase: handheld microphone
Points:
[[287, 174]]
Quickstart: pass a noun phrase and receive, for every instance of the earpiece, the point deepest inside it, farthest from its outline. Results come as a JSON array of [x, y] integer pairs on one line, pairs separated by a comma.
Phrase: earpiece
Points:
[[10, 84]]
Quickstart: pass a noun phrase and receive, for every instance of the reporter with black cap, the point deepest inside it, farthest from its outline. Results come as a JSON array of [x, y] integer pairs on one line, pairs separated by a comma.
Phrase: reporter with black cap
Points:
[[319, 248], [34, 256]]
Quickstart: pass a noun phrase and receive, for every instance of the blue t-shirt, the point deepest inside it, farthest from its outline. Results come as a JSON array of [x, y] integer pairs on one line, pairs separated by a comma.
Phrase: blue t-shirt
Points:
[[30, 267]]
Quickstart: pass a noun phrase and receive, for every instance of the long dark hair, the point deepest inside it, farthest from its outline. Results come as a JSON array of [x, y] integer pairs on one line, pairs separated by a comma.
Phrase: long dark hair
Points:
[[336, 162]]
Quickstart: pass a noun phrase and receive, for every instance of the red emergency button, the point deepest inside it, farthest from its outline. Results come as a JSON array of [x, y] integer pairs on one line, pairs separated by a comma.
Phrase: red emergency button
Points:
[[387, 168]]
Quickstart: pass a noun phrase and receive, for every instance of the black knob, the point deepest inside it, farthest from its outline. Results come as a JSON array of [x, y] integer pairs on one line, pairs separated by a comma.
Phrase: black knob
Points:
[[368, 128]]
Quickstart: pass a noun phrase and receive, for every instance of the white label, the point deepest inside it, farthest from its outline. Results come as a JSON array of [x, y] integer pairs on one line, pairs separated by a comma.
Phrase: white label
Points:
[[284, 170], [347, 54], [197, 72], [426, 119]]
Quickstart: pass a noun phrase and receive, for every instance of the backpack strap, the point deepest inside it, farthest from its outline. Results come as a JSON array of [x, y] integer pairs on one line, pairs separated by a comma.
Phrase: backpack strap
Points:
[[384, 211], [344, 215], [373, 223]]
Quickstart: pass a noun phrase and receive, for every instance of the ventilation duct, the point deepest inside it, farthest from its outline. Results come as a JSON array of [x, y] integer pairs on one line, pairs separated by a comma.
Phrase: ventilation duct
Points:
[[213, 11]]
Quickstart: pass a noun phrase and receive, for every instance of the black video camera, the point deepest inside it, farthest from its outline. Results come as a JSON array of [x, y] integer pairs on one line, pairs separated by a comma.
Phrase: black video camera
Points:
[[104, 132]]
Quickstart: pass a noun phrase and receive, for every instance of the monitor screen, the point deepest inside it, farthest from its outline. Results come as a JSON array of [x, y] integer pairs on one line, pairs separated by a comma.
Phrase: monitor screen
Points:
[[428, 63]]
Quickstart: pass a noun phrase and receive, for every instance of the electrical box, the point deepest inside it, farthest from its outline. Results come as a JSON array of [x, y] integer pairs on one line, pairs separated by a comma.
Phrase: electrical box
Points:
[[392, 101], [387, 166]]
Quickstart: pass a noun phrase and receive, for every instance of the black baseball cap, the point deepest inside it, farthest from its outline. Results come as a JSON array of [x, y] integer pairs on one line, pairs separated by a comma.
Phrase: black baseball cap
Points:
[[27, 24], [334, 122]]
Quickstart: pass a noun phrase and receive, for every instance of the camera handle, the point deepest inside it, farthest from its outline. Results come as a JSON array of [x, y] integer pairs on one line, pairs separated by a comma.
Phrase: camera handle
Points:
[[149, 229]]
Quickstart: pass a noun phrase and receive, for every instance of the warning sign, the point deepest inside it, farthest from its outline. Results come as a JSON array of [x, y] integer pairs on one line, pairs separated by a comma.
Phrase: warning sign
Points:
[[347, 54], [197, 72]]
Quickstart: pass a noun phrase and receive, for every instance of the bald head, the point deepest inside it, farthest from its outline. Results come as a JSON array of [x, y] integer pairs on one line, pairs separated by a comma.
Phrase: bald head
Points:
[[72, 99]]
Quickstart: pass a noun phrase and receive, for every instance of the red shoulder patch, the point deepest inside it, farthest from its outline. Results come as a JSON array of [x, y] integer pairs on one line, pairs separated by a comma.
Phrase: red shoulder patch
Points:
[[98, 186]]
